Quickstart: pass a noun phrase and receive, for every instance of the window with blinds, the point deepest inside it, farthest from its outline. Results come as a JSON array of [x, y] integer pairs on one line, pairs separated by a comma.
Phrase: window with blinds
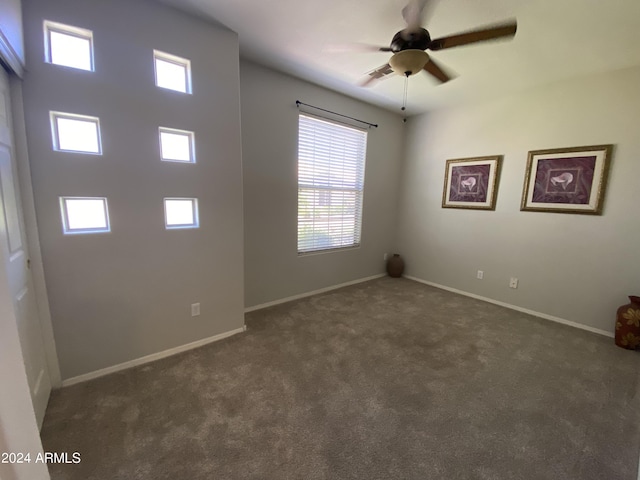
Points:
[[331, 158]]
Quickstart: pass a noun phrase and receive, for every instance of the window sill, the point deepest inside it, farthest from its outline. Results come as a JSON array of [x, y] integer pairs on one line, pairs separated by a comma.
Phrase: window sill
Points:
[[328, 250]]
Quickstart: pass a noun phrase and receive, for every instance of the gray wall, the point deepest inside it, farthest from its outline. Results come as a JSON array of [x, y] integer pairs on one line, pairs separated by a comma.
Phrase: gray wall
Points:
[[119, 296], [273, 269], [576, 267]]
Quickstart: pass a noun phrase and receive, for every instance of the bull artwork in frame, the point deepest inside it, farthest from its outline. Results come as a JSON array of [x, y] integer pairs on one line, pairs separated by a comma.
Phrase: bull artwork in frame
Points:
[[566, 180], [471, 182]]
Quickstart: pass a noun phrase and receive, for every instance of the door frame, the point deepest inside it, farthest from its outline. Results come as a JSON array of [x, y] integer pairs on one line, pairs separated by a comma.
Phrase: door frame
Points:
[[18, 423], [31, 228], [10, 56]]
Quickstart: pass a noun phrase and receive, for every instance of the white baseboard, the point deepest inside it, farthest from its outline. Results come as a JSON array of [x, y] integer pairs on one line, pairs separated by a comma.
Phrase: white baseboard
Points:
[[149, 358], [314, 292], [514, 307]]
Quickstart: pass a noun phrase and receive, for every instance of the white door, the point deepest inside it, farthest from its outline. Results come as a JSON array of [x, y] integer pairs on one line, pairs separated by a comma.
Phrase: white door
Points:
[[17, 263]]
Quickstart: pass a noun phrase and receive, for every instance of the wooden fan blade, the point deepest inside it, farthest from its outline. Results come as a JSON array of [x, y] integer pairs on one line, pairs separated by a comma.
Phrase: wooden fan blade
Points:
[[413, 13], [473, 36], [376, 75], [355, 47], [434, 69], [417, 12]]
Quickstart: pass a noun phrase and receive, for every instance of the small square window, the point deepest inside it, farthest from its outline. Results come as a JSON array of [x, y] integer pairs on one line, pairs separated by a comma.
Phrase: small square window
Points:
[[181, 213], [68, 46], [75, 133], [172, 72], [84, 215], [177, 145]]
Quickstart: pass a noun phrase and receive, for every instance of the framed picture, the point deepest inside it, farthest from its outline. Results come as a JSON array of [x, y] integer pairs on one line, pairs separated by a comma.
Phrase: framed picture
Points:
[[471, 182], [566, 180]]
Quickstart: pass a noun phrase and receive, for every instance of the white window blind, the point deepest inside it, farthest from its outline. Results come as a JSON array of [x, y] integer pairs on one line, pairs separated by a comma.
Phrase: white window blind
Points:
[[331, 159]]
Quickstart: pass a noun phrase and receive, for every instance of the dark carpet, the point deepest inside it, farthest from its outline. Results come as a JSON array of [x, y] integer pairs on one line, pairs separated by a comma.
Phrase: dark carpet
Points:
[[388, 379]]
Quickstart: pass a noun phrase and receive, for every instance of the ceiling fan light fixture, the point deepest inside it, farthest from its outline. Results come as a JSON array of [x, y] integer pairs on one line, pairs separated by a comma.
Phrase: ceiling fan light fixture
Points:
[[408, 62]]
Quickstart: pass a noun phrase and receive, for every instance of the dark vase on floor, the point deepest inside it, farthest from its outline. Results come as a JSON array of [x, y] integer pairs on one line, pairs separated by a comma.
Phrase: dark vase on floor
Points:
[[628, 325], [395, 265]]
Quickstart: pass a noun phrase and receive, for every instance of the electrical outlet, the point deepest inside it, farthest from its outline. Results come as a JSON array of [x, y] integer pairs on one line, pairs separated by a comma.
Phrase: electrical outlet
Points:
[[384, 257], [195, 309], [480, 275], [513, 283]]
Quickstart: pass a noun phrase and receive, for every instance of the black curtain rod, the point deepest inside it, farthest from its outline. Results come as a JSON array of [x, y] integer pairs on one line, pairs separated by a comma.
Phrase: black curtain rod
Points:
[[298, 103]]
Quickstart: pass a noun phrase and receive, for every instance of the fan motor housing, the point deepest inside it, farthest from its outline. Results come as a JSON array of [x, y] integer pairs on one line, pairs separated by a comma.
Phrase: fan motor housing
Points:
[[410, 40]]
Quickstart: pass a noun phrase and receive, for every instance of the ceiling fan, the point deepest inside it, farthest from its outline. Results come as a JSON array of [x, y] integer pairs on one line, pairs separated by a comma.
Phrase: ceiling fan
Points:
[[409, 45]]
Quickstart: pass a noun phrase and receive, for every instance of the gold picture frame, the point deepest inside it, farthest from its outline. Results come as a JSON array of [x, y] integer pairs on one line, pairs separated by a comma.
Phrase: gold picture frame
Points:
[[471, 182], [567, 180]]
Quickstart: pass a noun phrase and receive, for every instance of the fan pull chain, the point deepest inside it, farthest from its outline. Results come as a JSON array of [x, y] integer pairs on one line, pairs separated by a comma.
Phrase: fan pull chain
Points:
[[404, 98]]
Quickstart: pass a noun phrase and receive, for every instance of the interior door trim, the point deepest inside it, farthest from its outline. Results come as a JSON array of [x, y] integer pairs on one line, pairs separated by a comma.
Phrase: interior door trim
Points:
[[10, 57]]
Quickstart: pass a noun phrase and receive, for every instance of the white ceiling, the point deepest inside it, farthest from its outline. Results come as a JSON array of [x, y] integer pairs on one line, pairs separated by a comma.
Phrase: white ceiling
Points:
[[556, 39]]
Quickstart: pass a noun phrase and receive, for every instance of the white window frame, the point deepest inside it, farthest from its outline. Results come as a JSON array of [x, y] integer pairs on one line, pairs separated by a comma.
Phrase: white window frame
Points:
[[78, 231], [72, 116], [72, 31], [196, 214], [175, 131], [320, 184], [182, 62]]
